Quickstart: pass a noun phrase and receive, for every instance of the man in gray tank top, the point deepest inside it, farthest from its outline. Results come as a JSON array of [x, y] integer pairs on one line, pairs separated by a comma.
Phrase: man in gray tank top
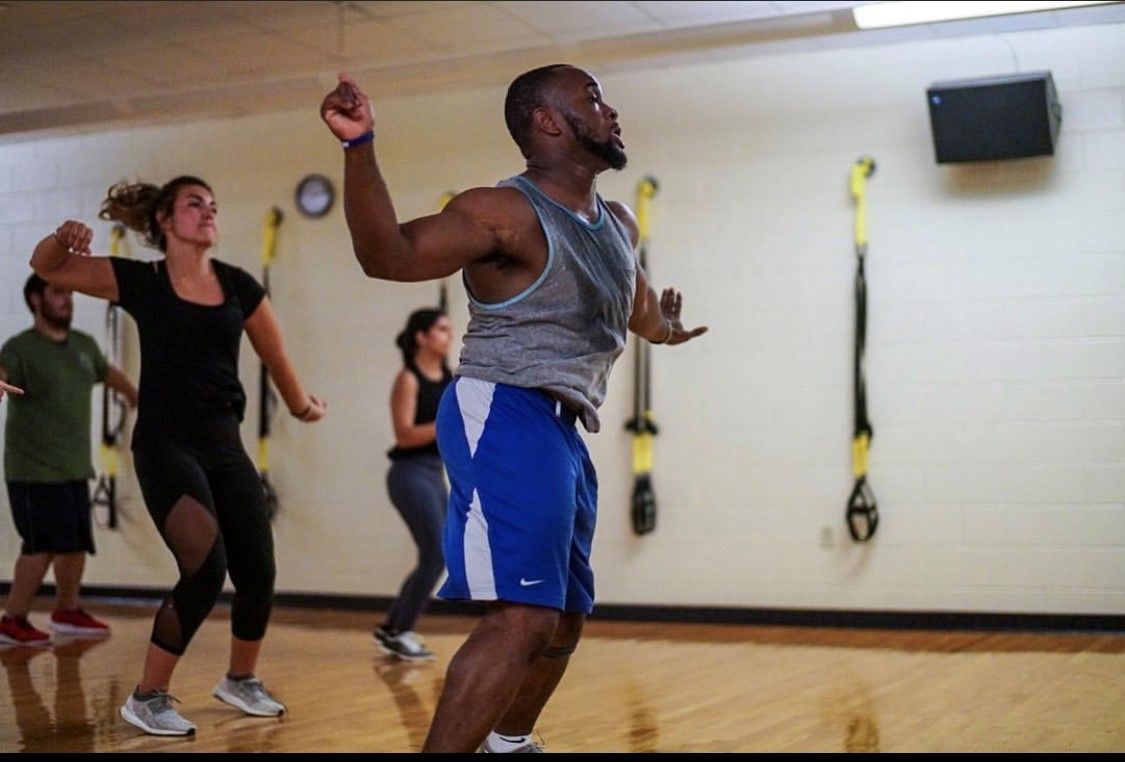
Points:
[[553, 287]]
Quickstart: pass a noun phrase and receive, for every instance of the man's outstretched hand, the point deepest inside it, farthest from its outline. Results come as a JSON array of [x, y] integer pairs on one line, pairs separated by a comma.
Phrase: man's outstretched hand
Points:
[[671, 305]]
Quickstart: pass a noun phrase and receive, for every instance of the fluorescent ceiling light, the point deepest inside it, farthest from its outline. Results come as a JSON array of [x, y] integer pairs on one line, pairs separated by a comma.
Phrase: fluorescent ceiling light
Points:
[[879, 15]]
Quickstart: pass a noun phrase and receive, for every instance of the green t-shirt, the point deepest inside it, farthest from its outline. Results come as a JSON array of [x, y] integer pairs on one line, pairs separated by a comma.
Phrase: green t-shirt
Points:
[[47, 436]]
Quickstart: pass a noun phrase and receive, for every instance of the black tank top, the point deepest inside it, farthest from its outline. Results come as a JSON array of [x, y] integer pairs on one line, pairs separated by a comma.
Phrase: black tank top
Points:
[[425, 411]]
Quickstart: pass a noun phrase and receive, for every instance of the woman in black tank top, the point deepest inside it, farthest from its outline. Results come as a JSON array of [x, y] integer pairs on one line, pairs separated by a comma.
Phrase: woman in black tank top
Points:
[[416, 479]]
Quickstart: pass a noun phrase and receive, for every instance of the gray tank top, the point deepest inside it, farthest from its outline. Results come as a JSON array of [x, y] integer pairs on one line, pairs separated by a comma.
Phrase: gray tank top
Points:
[[563, 333]]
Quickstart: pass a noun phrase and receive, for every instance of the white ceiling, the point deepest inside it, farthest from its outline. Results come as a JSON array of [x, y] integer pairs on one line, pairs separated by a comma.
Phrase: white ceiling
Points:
[[85, 65]]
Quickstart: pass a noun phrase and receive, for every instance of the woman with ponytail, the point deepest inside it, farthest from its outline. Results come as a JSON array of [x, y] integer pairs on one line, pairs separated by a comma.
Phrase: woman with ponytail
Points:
[[199, 485], [416, 479]]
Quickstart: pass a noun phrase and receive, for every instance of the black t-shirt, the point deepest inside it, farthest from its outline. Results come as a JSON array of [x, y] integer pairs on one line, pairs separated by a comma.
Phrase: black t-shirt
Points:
[[189, 351], [425, 411]]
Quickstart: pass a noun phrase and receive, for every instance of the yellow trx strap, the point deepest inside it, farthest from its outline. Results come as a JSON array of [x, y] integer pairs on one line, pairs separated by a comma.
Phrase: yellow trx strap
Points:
[[862, 514], [109, 443], [642, 424], [266, 398], [861, 170], [113, 411]]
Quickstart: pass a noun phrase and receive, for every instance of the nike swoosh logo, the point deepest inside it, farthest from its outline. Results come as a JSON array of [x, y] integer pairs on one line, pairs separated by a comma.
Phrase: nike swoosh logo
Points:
[[529, 582]]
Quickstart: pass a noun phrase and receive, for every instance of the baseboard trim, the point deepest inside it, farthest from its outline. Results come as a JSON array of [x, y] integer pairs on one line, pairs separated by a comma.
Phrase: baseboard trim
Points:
[[858, 619], [863, 619]]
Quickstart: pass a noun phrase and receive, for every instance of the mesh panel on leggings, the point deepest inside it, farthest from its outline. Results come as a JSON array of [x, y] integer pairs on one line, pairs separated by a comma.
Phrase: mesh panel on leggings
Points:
[[166, 630], [190, 532]]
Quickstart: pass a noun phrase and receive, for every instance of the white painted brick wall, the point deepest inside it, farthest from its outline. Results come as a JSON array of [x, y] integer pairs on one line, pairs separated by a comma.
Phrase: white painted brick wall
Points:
[[996, 344]]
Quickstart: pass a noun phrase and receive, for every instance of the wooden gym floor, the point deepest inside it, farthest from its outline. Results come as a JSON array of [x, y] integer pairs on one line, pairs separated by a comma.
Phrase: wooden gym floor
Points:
[[630, 687]]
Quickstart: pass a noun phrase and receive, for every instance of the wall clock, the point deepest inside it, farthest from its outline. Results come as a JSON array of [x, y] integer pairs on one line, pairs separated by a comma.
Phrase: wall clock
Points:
[[315, 195]]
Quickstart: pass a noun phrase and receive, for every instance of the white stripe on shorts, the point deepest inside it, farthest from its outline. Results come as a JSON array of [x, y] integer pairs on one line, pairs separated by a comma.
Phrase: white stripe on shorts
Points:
[[474, 398], [478, 554]]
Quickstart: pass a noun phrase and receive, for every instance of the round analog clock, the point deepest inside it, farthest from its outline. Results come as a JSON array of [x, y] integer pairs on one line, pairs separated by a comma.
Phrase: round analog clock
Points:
[[315, 195]]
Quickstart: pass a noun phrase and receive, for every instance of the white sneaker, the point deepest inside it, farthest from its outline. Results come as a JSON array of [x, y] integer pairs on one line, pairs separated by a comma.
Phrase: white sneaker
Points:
[[249, 695], [156, 716], [406, 645], [531, 747]]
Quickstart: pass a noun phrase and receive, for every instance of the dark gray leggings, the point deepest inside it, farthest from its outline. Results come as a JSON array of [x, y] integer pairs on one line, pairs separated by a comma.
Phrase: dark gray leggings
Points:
[[417, 488]]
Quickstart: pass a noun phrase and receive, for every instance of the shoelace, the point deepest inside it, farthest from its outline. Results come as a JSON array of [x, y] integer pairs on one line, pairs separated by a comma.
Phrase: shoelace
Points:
[[162, 702], [254, 688]]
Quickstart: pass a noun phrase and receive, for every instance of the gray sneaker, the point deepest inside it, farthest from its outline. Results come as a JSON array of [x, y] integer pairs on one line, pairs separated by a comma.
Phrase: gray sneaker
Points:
[[249, 695], [156, 716], [406, 645]]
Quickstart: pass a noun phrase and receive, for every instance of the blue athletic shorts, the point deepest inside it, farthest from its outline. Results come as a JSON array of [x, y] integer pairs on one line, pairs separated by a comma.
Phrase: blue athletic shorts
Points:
[[523, 498]]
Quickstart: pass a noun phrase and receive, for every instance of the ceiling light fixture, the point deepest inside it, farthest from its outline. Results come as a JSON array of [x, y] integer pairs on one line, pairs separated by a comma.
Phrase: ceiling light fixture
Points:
[[879, 15]]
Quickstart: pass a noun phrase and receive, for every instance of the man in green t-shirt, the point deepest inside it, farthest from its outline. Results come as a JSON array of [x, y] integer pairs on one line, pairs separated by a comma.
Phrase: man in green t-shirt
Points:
[[49, 370]]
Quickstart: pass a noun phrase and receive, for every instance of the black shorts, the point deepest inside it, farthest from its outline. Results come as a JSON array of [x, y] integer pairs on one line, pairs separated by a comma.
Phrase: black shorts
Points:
[[52, 518]]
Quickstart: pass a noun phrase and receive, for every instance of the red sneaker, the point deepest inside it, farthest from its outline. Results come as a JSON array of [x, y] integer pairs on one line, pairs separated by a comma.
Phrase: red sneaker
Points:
[[18, 631], [76, 622]]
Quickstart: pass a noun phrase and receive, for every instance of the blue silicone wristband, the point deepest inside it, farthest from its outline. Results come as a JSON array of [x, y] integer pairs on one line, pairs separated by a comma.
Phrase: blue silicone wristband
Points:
[[366, 137]]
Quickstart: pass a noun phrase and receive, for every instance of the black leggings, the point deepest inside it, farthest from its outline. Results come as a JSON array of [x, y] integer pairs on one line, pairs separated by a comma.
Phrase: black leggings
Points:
[[206, 498]]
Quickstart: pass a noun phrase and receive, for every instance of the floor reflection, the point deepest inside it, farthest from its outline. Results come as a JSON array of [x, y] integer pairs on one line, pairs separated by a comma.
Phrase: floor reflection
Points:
[[643, 733], [68, 728], [854, 714], [251, 734], [405, 681]]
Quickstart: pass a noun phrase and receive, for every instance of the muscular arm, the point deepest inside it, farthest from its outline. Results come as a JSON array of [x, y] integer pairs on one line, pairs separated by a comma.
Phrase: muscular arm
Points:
[[63, 259], [115, 379], [426, 248], [404, 405]]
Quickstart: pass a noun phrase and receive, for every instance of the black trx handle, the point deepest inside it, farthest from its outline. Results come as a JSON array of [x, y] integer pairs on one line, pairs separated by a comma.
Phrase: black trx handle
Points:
[[862, 514]]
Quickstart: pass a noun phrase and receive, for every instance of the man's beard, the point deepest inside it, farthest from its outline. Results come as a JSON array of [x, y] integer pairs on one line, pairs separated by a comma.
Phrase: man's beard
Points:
[[55, 320], [605, 150]]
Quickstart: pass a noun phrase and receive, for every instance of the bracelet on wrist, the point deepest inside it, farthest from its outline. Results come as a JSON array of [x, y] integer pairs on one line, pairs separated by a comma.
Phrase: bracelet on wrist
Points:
[[359, 140], [301, 415], [667, 335]]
